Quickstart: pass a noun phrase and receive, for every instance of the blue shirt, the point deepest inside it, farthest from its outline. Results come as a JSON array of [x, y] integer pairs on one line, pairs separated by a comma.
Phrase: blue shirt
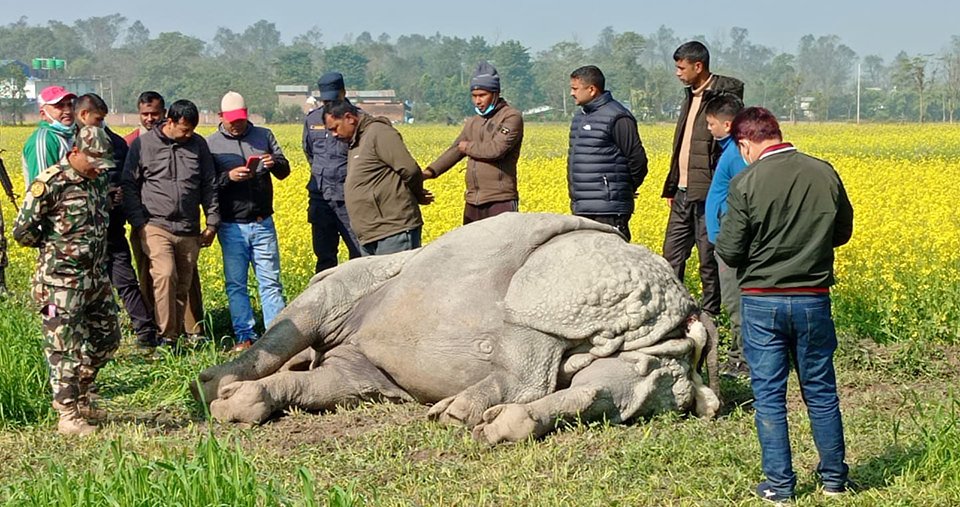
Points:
[[729, 165]]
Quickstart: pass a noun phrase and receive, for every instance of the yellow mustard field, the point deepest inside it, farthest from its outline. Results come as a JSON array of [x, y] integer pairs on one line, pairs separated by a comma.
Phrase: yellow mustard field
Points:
[[898, 279]]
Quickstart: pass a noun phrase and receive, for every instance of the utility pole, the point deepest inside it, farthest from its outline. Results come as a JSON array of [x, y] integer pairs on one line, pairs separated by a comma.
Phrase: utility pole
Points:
[[858, 94]]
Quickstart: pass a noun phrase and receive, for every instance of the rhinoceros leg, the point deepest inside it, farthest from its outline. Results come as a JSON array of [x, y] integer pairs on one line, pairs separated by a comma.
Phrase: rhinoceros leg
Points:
[[314, 319], [635, 384], [526, 368], [344, 378]]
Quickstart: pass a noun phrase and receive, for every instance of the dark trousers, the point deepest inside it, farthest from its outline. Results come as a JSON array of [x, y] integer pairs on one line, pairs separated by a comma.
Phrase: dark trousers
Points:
[[124, 281], [330, 223], [621, 222], [475, 212], [686, 227]]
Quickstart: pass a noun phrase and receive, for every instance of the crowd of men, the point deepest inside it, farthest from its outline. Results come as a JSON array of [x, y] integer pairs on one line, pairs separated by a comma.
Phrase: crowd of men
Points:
[[764, 218]]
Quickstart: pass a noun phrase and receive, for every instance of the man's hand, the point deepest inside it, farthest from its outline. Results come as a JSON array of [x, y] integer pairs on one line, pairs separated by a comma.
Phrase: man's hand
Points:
[[428, 174], [116, 195], [267, 159], [463, 146], [670, 202], [426, 197], [206, 237], [240, 173]]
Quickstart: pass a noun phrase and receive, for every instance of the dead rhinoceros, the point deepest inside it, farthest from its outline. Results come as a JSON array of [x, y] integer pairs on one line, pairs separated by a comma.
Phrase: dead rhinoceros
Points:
[[508, 326]]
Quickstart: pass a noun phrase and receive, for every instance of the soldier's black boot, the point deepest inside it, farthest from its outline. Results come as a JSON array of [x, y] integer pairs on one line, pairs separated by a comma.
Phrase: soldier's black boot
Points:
[[3, 281]]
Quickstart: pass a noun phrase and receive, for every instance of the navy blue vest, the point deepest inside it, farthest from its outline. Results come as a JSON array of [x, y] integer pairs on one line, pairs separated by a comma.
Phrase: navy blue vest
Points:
[[327, 156], [598, 175]]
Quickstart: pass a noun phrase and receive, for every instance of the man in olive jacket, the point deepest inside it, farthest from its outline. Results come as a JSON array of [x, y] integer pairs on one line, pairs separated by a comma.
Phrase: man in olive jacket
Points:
[[695, 154], [786, 212], [492, 141], [384, 185]]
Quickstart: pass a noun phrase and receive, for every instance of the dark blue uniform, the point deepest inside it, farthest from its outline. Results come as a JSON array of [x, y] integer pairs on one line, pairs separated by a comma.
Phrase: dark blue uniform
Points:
[[327, 212]]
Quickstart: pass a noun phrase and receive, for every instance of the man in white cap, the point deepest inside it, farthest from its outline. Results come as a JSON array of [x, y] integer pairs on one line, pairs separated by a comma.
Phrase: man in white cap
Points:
[[245, 157], [54, 135]]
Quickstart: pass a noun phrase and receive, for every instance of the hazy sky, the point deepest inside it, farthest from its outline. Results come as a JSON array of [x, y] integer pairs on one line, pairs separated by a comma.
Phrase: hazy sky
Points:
[[881, 27]]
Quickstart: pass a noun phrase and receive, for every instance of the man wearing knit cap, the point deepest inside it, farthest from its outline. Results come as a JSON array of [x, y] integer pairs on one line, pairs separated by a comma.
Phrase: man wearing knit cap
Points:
[[247, 159], [491, 142], [327, 210]]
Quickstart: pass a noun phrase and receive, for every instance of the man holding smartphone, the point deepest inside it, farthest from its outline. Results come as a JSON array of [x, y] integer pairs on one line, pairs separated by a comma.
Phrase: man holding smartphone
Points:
[[245, 157]]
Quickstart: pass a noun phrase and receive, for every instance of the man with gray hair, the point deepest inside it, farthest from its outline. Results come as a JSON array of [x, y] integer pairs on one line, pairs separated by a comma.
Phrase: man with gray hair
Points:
[[491, 140]]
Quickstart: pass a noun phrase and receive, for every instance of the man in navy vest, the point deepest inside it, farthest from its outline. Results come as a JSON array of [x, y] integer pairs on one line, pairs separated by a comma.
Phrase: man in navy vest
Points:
[[327, 156], [606, 163]]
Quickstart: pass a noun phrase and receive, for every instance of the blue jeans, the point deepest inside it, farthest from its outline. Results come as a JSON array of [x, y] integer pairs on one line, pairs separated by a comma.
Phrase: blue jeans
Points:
[[400, 242], [776, 330], [245, 244]]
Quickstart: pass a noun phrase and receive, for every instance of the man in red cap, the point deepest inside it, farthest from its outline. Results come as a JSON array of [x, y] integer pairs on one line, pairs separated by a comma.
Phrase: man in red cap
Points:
[[53, 137]]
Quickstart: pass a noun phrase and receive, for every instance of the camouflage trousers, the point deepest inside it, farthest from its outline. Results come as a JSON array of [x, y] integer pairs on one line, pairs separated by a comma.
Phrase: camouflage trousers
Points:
[[80, 334]]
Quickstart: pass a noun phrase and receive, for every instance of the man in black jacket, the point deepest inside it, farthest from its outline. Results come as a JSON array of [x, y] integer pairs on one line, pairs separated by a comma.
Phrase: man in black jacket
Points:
[[691, 169], [247, 158], [606, 163], [90, 111], [786, 212], [168, 175]]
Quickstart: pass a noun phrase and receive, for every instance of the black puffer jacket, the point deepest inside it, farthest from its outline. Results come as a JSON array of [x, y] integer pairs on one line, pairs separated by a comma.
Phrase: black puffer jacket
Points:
[[598, 173]]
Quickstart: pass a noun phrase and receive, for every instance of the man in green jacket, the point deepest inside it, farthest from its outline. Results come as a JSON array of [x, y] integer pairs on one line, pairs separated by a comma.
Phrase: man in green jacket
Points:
[[54, 135], [491, 140], [384, 185], [786, 212]]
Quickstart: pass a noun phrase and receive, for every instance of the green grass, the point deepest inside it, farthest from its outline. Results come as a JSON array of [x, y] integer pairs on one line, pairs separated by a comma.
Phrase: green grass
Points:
[[901, 416]]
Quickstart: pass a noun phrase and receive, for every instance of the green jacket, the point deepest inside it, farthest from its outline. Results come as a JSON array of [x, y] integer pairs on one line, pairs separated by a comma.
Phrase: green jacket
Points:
[[786, 213], [44, 148], [383, 183]]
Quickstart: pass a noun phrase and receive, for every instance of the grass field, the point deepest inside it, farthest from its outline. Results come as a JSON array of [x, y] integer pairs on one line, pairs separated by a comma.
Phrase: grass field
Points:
[[897, 304]]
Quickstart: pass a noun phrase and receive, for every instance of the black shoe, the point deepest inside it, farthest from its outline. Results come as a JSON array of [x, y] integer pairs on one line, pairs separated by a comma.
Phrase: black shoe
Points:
[[766, 493], [848, 487], [735, 369], [195, 341]]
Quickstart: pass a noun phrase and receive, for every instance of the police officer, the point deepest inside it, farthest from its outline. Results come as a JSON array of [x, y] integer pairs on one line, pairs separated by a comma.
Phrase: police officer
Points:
[[327, 212], [65, 214]]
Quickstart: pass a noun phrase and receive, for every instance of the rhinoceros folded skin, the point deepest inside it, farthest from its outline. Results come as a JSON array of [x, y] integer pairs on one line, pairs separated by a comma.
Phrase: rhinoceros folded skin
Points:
[[506, 325]]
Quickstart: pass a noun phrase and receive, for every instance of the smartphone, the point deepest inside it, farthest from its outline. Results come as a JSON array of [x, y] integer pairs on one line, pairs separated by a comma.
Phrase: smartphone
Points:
[[255, 164]]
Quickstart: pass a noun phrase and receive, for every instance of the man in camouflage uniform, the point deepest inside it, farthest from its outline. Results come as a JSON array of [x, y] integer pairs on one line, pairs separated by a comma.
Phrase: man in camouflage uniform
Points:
[[66, 214]]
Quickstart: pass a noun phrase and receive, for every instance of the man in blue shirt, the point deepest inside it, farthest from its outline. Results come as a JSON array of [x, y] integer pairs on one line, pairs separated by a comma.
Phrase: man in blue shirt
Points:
[[719, 113]]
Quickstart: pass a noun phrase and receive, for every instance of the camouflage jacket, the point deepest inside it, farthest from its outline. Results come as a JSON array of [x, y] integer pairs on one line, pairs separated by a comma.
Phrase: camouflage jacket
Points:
[[66, 216]]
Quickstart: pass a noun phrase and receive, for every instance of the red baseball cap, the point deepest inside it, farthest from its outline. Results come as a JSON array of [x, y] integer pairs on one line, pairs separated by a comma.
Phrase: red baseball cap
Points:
[[233, 107], [53, 95]]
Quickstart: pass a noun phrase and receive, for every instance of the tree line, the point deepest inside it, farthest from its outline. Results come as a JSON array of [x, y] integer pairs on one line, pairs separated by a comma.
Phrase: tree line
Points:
[[816, 82]]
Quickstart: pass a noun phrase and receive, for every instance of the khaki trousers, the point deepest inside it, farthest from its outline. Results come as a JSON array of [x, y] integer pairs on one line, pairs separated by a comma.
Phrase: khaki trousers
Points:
[[193, 313], [173, 265]]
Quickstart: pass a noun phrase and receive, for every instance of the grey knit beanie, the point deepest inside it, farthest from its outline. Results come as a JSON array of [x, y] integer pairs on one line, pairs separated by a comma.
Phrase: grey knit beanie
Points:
[[485, 78]]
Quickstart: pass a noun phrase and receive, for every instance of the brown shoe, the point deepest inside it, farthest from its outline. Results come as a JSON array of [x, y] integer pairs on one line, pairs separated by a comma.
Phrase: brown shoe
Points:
[[90, 410], [240, 347], [71, 422]]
